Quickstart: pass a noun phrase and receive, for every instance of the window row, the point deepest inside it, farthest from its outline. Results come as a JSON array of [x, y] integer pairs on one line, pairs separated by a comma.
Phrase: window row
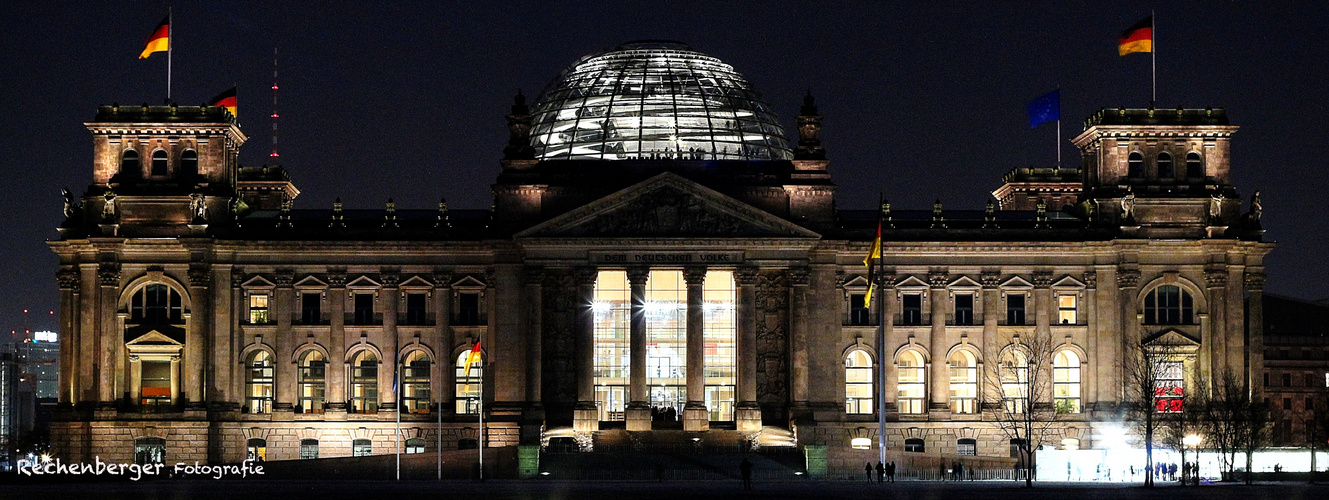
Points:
[[911, 382], [415, 309], [152, 450], [160, 161], [1164, 167], [362, 396], [962, 309]]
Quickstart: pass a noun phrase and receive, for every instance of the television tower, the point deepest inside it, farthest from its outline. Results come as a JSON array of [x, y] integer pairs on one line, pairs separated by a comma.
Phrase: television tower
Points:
[[274, 155]]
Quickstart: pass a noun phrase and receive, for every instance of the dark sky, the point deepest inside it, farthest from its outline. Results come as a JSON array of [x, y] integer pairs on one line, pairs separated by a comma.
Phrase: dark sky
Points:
[[407, 99]]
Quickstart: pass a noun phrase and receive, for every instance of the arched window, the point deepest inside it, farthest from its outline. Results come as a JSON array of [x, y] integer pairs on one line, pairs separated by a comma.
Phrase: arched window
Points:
[[1066, 382], [188, 163], [1194, 165], [1169, 305], [308, 449], [467, 392], [964, 382], [159, 162], [364, 383], [415, 446], [858, 389], [129, 163], [258, 382], [415, 382], [156, 304], [362, 448], [912, 378], [1165, 165], [1014, 374], [1135, 165], [966, 447], [311, 375], [149, 450], [256, 449], [913, 445]]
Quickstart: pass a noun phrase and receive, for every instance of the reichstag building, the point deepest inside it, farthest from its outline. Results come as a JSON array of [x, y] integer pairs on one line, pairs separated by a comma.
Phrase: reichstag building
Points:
[[662, 261]]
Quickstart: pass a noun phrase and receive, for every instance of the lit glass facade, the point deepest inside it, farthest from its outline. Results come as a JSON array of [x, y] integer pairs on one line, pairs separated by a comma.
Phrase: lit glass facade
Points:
[[666, 339], [720, 334], [613, 311], [654, 100]]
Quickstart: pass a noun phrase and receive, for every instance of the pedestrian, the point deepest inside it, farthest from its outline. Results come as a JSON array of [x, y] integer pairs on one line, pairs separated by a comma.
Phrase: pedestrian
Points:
[[746, 469], [867, 467], [881, 472], [890, 471]]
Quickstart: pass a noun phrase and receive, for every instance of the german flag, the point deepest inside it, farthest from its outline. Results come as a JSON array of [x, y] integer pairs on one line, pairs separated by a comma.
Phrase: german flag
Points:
[[1138, 38], [472, 358], [160, 41], [870, 261], [226, 100]]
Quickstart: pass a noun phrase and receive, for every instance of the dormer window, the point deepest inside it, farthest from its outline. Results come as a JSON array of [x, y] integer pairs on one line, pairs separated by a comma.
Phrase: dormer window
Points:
[[159, 162], [1165, 166], [1194, 166], [1135, 165]]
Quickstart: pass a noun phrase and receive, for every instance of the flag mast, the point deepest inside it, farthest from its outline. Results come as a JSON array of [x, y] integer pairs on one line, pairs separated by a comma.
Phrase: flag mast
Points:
[[396, 394], [170, 41], [881, 337], [1153, 55], [481, 441]]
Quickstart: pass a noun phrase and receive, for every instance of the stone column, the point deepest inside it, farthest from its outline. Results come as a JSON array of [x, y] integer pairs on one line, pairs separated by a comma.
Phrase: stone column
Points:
[[335, 370], [533, 308], [1108, 334], [389, 296], [586, 417], [887, 371], [1235, 334], [444, 370], [233, 362], [175, 379], [89, 347], [992, 313], [135, 380], [638, 411], [798, 337], [939, 376], [1255, 322], [197, 336], [284, 378], [1213, 346], [1128, 282], [695, 416], [1043, 306], [747, 414], [69, 335], [109, 339]]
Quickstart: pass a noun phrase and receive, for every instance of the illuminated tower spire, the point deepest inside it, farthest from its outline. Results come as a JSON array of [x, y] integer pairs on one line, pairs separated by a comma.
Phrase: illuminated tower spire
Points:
[[274, 154]]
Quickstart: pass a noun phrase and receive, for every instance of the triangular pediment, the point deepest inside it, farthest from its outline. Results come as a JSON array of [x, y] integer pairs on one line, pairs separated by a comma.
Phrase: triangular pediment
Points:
[[468, 282], [155, 335], [1171, 338], [310, 282], [964, 283], [257, 282], [1068, 282], [911, 282], [363, 282], [857, 282], [416, 282], [667, 205], [1017, 283]]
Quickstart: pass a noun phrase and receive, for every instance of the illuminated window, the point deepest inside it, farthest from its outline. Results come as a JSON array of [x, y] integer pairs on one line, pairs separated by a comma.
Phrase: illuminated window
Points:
[[364, 383], [911, 311], [159, 162], [964, 309], [155, 382], [964, 382], [858, 387], [415, 446], [311, 375], [1168, 305], [129, 163], [149, 450], [467, 392], [1135, 165], [258, 382], [258, 309], [1194, 165], [1066, 310], [308, 449], [1015, 309], [415, 383], [1165, 166], [912, 377], [1066, 382], [256, 449], [666, 339], [966, 447], [612, 307], [362, 448], [720, 342], [1014, 374], [1169, 383]]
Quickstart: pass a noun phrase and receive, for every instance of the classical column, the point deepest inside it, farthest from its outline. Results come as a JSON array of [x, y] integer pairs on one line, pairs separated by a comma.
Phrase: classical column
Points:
[[1213, 345], [695, 416], [940, 377], [109, 339], [175, 379], [747, 415], [236, 382], [1235, 334], [335, 369], [586, 417], [1043, 306], [638, 411], [1128, 282], [1090, 308], [69, 334], [443, 370], [388, 299], [219, 390], [284, 367], [197, 336], [533, 309], [1255, 321], [887, 371], [89, 349], [991, 282], [798, 336]]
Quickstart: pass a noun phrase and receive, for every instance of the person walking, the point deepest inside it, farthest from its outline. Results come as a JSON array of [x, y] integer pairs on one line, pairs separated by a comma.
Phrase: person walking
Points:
[[890, 471], [867, 467], [746, 469], [881, 472]]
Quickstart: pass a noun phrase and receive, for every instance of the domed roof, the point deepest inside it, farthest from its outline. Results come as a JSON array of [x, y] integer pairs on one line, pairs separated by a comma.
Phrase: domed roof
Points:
[[654, 100]]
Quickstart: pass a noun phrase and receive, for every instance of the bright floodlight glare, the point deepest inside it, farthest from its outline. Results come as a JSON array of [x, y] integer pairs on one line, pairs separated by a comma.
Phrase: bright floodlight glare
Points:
[[1113, 437], [654, 100], [1191, 440], [860, 443]]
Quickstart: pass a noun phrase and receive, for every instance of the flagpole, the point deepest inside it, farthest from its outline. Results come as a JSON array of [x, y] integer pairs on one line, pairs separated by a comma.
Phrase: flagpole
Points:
[[481, 441], [170, 41], [1058, 133], [881, 343], [396, 393], [439, 434], [1153, 55]]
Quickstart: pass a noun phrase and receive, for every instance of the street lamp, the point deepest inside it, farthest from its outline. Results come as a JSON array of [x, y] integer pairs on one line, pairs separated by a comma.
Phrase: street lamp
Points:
[[1192, 441]]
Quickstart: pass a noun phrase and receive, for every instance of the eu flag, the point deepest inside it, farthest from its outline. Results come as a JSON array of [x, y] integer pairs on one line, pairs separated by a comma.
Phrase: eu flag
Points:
[[1046, 108]]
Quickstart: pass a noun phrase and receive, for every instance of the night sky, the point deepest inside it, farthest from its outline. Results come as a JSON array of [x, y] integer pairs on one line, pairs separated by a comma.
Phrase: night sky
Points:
[[407, 99]]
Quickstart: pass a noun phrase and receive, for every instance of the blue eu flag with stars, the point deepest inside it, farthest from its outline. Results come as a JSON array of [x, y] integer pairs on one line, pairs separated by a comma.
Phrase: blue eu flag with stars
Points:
[[1046, 108]]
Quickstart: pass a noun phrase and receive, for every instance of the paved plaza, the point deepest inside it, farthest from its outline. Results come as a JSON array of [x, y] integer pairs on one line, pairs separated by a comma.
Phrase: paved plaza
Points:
[[634, 490]]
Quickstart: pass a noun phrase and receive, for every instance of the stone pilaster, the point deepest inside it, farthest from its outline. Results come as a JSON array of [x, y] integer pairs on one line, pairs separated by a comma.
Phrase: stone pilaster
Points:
[[388, 299], [198, 335], [443, 373], [748, 413], [532, 310], [1255, 324], [108, 335], [283, 303], [939, 370], [68, 280], [336, 365], [1090, 308], [990, 280], [586, 417], [1213, 343]]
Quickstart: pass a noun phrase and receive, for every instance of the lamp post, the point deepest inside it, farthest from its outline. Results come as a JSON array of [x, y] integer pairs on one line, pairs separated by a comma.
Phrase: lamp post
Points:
[[1192, 441]]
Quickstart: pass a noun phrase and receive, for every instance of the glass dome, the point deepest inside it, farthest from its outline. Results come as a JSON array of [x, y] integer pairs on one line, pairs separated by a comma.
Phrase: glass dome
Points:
[[654, 100]]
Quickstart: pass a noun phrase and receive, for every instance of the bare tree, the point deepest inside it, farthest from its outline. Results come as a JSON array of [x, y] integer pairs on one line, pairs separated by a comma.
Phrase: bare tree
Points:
[[1156, 393], [1020, 383], [1233, 421]]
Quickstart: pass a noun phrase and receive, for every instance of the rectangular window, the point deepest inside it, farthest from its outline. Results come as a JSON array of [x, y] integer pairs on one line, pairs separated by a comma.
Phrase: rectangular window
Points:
[[1015, 309], [1287, 380], [911, 312], [1266, 380], [1310, 404], [1169, 386], [1309, 380], [1287, 403], [155, 382], [1066, 309], [964, 309], [468, 309], [415, 309], [311, 308], [258, 309], [859, 314], [308, 449], [364, 308]]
